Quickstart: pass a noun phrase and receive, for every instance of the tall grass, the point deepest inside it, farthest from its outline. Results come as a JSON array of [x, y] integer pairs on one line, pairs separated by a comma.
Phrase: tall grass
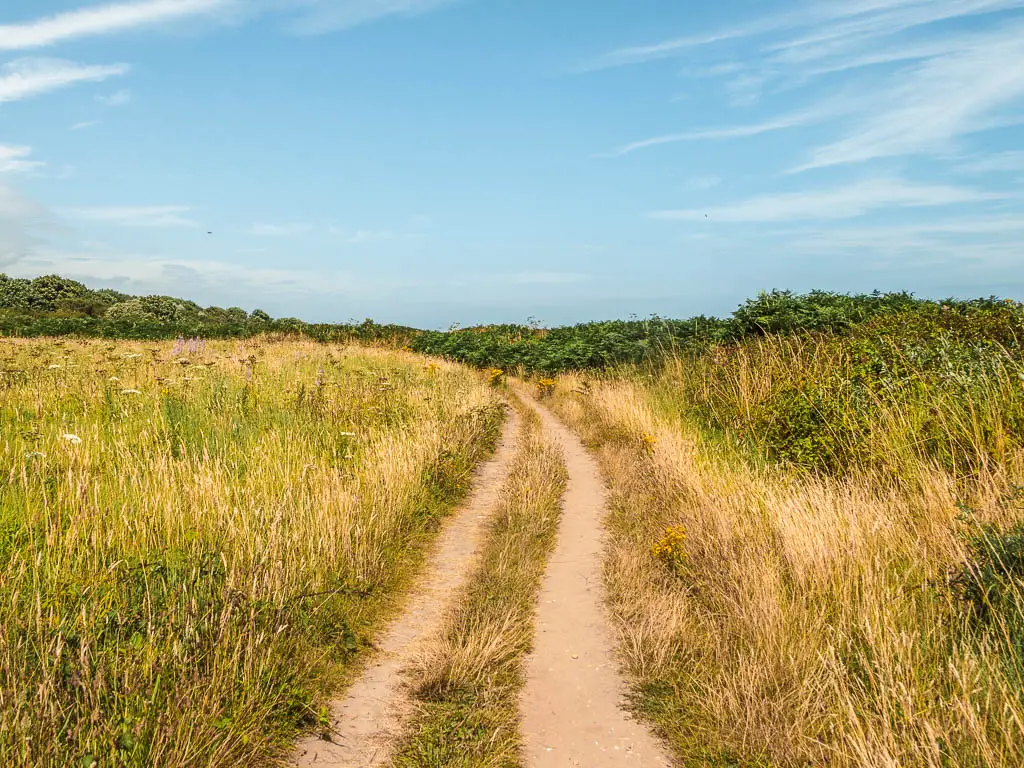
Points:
[[195, 540], [815, 555]]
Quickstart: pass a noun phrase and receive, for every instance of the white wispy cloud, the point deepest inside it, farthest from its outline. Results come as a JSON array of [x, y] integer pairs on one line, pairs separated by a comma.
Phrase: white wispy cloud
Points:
[[365, 236], [925, 109], [731, 132], [102, 20], [84, 124], [930, 86], [14, 206], [304, 17], [213, 281], [322, 16], [816, 31], [116, 99], [347, 236], [14, 159], [136, 216], [264, 229], [23, 78], [638, 54], [838, 203], [856, 26], [1010, 224], [543, 278], [19, 219], [956, 242], [703, 182], [894, 52], [995, 163]]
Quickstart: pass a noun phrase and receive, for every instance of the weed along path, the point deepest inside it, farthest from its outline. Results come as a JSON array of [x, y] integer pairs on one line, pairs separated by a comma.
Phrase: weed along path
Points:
[[572, 711], [367, 721]]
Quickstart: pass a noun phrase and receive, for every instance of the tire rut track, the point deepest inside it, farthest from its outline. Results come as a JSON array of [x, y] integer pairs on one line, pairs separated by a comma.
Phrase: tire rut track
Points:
[[368, 720], [571, 705]]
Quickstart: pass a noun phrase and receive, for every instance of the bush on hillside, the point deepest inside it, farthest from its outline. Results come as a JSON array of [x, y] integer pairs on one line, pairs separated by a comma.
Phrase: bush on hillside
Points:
[[817, 311], [990, 590], [815, 425]]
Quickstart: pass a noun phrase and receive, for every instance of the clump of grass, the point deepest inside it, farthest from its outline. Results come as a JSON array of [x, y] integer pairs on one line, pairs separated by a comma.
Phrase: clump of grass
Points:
[[195, 542], [467, 682]]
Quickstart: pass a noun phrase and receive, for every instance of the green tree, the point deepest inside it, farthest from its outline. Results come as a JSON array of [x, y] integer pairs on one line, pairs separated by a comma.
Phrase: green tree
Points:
[[168, 309], [47, 291], [132, 310], [14, 292], [89, 305], [236, 315]]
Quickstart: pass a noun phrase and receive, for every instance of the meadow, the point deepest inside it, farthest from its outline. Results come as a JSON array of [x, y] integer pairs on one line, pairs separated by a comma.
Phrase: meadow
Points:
[[197, 539], [815, 540], [816, 547]]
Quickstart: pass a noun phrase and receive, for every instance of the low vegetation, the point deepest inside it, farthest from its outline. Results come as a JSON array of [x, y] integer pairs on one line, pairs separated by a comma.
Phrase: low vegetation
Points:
[[197, 539], [606, 345], [56, 306], [467, 682], [817, 540]]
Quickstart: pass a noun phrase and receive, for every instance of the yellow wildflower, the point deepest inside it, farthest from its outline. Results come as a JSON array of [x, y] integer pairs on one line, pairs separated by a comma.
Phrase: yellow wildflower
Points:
[[546, 387]]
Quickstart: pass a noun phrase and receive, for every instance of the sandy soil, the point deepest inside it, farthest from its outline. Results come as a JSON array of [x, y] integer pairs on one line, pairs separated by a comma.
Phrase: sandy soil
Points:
[[572, 712]]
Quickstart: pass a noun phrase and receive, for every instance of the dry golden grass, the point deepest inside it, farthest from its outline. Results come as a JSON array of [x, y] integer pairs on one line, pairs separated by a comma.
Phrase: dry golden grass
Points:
[[468, 680], [808, 621], [193, 545]]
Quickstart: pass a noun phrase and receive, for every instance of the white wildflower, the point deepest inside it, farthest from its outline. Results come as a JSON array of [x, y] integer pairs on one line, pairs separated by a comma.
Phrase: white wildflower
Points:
[[130, 392], [35, 455], [53, 367], [73, 439], [347, 434], [113, 379]]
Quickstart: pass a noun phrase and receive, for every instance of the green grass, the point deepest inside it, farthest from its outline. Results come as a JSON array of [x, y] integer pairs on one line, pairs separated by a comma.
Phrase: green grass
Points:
[[194, 549]]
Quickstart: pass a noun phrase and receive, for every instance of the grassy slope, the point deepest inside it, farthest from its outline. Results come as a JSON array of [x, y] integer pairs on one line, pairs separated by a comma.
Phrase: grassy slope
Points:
[[191, 554], [468, 681], [793, 618]]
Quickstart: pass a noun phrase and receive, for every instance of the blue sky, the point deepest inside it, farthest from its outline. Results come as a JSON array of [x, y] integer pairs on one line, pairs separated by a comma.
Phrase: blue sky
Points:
[[442, 161]]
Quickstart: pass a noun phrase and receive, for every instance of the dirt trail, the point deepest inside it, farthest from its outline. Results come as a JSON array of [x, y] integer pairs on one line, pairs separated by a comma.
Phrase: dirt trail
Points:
[[572, 711], [370, 717]]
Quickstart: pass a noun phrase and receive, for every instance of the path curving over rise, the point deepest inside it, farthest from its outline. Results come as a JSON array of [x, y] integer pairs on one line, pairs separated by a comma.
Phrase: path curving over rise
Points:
[[370, 717], [572, 713]]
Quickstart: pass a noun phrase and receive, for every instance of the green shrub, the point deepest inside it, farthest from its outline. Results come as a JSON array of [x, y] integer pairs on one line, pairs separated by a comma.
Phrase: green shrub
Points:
[[817, 311], [991, 583], [990, 589], [815, 425]]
